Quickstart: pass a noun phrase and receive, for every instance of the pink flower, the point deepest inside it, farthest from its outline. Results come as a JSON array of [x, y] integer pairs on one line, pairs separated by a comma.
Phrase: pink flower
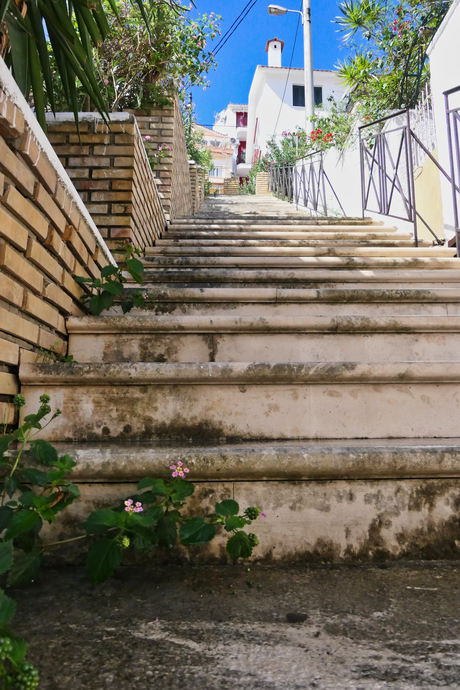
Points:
[[174, 474], [147, 137], [172, 467], [186, 470], [179, 464], [263, 515], [106, 81], [181, 474], [138, 508], [129, 502]]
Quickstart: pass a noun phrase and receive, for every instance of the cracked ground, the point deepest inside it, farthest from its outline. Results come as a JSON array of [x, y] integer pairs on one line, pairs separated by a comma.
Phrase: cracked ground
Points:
[[225, 628]]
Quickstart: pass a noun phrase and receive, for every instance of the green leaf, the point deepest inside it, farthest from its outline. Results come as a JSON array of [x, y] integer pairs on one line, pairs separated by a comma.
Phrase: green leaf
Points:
[[6, 556], [6, 515], [156, 485], [239, 546], [33, 476], [25, 568], [66, 463], [7, 608], [22, 521], [182, 490], [104, 557], [109, 271], [228, 507], [100, 520], [114, 288], [98, 303], [196, 531], [167, 532], [126, 306], [19, 649], [144, 539], [11, 484], [235, 522], [80, 279], [44, 452], [5, 442], [136, 269]]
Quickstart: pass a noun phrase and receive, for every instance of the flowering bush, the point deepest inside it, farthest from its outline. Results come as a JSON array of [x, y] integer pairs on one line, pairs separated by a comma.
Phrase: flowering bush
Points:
[[141, 63], [387, 67], [156, 153], [149, 519]]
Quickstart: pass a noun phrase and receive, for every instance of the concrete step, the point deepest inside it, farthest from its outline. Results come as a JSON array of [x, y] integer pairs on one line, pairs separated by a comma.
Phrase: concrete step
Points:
[[224, 243], [247, 401], [307, 460], [276, 277], [319, 262], [288, 232], [269, 301], [150, 338], [262, 251], [278, 219]]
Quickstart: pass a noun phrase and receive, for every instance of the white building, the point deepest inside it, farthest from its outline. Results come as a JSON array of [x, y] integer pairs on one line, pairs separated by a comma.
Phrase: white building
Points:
[[277, 101], [224, 156], [444, 55]]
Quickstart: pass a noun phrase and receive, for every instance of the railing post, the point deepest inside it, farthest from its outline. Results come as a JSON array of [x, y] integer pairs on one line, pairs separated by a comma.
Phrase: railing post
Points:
[[452, 170], [361, 163], [321, 172], [410, 171]]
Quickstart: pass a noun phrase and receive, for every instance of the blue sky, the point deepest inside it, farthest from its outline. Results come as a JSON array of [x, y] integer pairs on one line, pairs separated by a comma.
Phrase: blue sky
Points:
[[246, 48]]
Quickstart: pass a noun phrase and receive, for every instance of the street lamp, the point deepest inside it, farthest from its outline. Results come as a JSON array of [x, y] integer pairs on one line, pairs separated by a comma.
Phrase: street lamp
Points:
[[276, 11]]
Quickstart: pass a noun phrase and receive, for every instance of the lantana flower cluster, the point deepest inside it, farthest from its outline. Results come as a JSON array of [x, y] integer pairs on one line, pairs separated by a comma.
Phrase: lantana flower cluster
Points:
[[132, 507], [179, 470]]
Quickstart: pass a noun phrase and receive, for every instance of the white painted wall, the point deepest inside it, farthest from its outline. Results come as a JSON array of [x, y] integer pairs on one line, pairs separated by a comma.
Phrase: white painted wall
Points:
[[444, 54], [274, 114]]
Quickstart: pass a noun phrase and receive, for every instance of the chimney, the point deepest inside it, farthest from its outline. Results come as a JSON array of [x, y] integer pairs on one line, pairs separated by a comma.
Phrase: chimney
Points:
[[274, 48]]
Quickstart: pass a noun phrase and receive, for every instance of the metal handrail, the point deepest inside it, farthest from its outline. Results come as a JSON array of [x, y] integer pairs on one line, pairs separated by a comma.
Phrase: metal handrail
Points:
[[453, 120], [385, 172], [304, 183]]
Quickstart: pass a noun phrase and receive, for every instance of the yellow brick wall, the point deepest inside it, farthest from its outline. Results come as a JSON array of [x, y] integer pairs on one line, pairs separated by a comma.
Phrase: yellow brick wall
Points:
[[111, 171], [44, 242]]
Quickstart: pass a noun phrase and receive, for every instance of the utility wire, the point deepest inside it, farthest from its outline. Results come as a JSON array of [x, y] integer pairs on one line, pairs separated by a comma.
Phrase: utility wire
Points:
[[231, 27], [289, 72], [223, 42]]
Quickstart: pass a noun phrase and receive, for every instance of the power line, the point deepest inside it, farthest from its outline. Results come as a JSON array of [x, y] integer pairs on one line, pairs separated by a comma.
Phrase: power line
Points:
[[254, 3], [289, 72], [231, 27]]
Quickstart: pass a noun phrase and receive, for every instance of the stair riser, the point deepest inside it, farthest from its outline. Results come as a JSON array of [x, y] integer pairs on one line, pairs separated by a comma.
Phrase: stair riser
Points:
[[273, 347], [197, 243], [199, 251], [305, 262], [284, 235], [250, 411], [295, 309], [314, 522], [278, 227]]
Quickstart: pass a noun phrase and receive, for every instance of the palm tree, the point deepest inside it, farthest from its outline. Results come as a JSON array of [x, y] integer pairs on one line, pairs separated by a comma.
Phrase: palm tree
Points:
[[31, 31]]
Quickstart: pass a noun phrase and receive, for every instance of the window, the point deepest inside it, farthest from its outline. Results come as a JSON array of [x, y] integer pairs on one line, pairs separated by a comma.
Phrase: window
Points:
[[318, 95], [298, 95], [216, 172]]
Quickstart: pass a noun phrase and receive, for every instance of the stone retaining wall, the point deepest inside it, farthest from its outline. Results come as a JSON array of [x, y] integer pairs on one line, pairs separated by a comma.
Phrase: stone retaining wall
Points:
[[162, 126], [46, 238], [111, 171], [263, 184], [231, 186]]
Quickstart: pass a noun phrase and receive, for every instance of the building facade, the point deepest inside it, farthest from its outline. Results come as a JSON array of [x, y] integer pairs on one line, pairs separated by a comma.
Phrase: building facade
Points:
[[277, 101], [224, 155]]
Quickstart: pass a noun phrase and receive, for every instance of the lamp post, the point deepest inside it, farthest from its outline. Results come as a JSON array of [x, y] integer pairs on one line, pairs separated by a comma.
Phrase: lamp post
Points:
[[277, 10]]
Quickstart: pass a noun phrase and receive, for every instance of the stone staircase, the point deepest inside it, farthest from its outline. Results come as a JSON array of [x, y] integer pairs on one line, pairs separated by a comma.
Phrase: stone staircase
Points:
[[309, 366]]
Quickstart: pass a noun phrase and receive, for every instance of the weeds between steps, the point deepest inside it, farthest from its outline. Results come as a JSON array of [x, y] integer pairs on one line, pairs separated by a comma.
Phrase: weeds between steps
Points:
[[149, 518], [108, 289]]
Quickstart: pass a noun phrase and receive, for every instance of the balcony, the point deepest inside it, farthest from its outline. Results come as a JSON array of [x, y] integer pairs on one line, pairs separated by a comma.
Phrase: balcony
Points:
[[242, 169], [242, 133]]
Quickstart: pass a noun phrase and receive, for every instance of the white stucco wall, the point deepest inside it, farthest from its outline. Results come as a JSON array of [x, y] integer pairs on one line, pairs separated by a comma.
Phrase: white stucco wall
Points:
[[444, 54], [266, 100]]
